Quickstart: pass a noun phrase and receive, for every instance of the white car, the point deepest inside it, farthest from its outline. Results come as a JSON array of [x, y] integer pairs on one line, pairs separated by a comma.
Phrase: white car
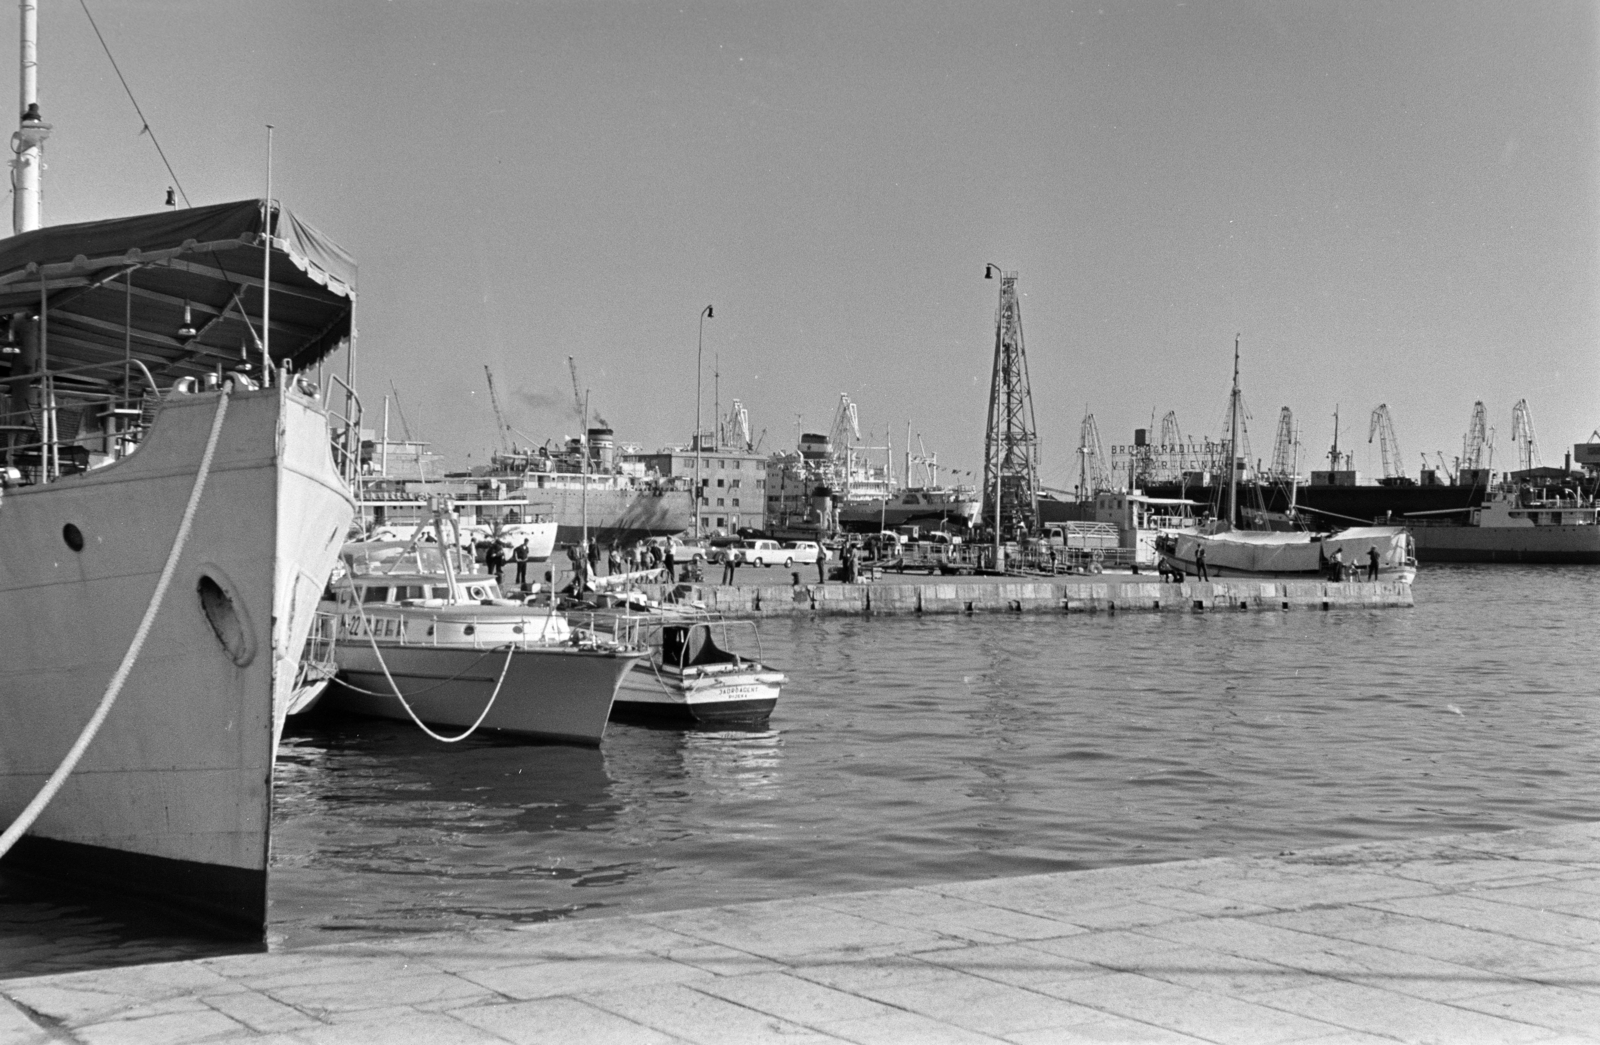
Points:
[[681, 550], [803, 552], [761, 553]]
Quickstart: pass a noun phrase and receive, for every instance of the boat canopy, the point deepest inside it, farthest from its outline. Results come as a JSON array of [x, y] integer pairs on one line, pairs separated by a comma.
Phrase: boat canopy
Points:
[[180, 291]]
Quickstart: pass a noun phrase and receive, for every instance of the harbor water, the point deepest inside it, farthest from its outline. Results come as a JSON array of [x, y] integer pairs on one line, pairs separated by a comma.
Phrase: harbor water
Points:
[[912, 750]]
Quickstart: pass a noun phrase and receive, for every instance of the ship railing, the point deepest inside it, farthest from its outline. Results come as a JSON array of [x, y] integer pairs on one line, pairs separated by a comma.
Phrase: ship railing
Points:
[[32, 447], [344, 424]]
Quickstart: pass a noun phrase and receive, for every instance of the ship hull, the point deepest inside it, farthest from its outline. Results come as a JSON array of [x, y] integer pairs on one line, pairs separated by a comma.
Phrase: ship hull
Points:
[[558, 693], [1530, 544], [614, 517], [172, 800]]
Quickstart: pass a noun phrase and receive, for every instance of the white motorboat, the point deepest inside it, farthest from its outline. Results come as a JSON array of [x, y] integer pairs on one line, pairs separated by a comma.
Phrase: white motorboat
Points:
[[415, 640], [695, 672], [219, 494]]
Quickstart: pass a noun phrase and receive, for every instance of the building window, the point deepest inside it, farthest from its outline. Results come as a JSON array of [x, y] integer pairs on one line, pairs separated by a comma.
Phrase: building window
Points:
[[719, 502], [719, 482], [721, 521], [736, 502]]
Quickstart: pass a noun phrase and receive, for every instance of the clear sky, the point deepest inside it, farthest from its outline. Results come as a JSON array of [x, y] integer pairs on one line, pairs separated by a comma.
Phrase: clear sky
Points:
[[1390, 202]]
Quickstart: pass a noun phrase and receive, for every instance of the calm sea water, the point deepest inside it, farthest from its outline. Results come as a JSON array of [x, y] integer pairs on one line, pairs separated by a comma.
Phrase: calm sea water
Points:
[[906, 751]]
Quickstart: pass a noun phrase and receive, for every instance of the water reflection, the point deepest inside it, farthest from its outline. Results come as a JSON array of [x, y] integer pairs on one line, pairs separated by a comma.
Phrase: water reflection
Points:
[[911, 750]]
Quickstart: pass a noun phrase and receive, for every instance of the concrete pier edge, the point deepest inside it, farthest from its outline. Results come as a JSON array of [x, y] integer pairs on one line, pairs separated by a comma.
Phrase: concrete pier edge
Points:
[[1465, 938], [1103, 594]]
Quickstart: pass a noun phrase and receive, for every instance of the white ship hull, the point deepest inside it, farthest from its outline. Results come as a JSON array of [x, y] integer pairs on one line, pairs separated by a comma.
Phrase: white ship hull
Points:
[[173, 798], [559, 693]]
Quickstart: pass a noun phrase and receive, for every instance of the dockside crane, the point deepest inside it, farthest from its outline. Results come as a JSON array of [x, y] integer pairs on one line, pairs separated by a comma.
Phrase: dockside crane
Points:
[[1093, 475], [1286, 448], [845, 435], [1172, 442], [500, 427], [1475, 443], [577, 393], [1388, 446], [1522, 435]]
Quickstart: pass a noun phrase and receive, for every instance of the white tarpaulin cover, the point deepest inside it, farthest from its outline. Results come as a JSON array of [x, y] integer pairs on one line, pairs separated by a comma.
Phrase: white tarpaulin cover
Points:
[[1274, 552]]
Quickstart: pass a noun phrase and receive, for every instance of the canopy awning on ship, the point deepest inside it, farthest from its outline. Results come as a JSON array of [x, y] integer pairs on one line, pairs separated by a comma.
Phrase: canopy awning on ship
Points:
[[140, 285]]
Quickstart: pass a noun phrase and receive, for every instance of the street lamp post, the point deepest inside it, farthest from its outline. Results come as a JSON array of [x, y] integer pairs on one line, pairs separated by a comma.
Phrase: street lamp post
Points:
[[705, 314], [999, 443]]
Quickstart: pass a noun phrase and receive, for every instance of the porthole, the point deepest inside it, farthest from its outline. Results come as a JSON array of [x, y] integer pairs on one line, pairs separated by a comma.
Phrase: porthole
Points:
[[226, 620], [73, 536], [469, 630]]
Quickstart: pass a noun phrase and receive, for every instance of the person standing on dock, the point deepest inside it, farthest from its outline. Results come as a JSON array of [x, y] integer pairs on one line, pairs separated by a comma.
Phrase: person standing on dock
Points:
[[671, 563], [1200, 563], [1372, 563], [521, 555], [1336, 565], [822, 563], [728, 566], [495, 560]]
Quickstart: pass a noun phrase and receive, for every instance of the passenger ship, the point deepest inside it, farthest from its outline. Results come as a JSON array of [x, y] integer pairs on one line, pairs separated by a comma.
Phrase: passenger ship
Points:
[[172, 507]]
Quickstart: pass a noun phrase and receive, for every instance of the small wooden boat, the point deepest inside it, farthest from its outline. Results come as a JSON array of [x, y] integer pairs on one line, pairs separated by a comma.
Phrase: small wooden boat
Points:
[[692, 676]]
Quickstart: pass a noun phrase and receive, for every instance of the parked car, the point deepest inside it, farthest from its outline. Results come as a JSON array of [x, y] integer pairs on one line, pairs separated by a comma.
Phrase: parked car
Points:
[[682, 551], [803, 552], [756, 552]]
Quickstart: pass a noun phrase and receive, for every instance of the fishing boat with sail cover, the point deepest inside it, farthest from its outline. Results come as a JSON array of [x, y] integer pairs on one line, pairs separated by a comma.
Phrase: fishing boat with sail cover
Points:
[[172, 506], [1224, 550]]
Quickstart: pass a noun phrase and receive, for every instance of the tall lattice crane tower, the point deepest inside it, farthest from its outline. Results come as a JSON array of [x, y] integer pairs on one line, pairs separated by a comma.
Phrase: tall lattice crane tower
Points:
[[1011, 442], [1093, 475], [1285, 448], [1522, 435], [1476, 441]]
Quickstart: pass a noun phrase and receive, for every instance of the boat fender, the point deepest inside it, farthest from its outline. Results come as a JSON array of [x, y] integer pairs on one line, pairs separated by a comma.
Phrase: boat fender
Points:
[[1097, 555], [1095, 567]]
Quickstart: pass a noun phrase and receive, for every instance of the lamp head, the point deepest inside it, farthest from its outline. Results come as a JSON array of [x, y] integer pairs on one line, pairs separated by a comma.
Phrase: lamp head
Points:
[[187, 332], [709, 314]]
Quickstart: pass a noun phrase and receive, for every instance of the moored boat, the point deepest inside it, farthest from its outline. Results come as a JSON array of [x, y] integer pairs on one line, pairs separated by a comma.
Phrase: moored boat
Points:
[[691, 676], [417, 641], [172, 799], [1514, 525], [1278, 554]]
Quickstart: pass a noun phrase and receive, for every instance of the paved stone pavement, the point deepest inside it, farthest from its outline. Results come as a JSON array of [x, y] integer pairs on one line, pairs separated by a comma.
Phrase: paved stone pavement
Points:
[[1469, 938]]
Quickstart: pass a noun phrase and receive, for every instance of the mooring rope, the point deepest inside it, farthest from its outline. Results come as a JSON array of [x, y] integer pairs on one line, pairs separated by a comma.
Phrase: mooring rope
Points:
[[68, 764], [511, 651]]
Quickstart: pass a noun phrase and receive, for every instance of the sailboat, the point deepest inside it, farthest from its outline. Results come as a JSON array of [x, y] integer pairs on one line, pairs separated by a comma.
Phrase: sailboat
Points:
[[171, 510], [1228, 551]]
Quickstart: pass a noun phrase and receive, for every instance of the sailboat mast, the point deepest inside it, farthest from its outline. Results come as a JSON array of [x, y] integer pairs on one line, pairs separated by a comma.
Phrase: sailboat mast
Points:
[[28, 142], [1233, 440]]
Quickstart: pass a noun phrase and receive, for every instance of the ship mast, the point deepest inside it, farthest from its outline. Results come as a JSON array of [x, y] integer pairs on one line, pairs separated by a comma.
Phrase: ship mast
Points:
[[28, 142], [1233, 440]]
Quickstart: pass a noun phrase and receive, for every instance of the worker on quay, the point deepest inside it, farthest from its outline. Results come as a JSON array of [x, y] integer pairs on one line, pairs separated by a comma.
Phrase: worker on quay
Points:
[[594, 559], [1200, 563], [728, 565], [521, 555], [494, 560], [1336, 565], [1372, 563], [671, 563], [614, 559], [822, 563]]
